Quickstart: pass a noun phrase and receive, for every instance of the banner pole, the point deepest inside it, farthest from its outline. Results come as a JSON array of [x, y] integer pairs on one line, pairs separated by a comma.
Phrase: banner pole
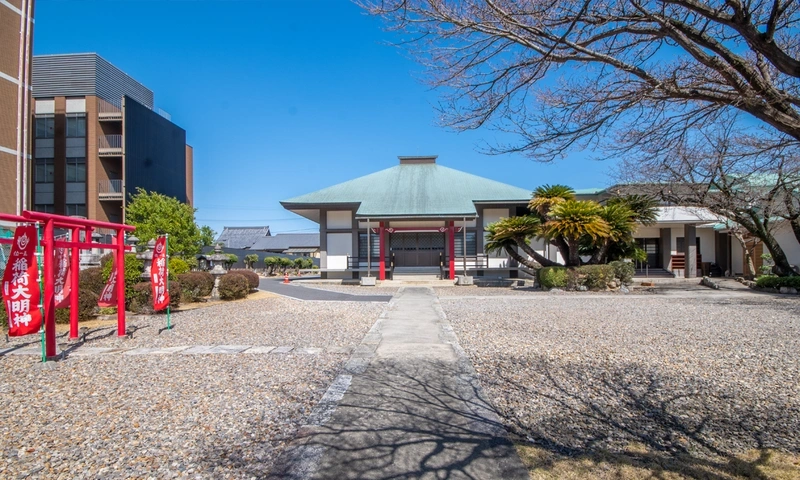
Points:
[[41, 290], [166, 261]]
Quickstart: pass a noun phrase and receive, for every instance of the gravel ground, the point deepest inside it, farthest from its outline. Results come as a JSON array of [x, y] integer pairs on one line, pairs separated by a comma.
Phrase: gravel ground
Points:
[[698, 380], [166, 416], [353, 289], [273, 321]]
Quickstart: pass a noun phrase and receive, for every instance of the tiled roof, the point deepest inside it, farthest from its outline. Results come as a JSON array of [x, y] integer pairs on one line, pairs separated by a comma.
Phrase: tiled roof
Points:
[[242, 237], [423, 190], [285, 241]]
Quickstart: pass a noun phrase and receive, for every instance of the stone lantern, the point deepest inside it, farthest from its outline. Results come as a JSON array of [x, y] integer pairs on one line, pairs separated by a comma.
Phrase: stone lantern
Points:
[[217, 260], [147, 258]]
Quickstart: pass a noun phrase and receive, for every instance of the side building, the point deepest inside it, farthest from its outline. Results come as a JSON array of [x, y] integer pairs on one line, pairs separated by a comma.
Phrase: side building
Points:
[[97, 138], [16, 39]]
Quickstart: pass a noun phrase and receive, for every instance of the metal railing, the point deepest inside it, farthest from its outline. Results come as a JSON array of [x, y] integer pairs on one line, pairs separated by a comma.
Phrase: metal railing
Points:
[[111, 189], [108, 111], [109, 142]]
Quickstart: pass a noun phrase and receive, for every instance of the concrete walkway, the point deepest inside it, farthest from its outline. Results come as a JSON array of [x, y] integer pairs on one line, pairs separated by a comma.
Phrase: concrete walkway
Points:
[[299, 292], [409, 406]]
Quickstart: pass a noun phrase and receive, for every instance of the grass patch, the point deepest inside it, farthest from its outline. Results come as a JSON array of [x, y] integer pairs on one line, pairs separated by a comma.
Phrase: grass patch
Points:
[[638, 462]]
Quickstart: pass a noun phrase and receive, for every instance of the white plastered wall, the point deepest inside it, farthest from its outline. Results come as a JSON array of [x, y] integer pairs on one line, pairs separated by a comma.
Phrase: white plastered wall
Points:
[[340, 246], [491, 215], [788, 242], [339, 219]]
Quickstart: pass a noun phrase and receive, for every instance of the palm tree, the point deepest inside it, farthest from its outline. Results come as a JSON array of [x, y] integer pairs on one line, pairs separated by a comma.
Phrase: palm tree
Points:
[[498, 243], [548, 196], [543, 200], [644, 207], [520, 229], [574, 220], [622, 224]]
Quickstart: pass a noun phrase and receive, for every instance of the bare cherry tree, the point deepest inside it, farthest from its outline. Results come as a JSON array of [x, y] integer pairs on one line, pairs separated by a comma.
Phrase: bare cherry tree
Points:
[[735, 176], [613, 75]]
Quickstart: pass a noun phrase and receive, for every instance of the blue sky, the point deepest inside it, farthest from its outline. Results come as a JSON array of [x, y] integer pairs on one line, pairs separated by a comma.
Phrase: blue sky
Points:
[[281, 98]]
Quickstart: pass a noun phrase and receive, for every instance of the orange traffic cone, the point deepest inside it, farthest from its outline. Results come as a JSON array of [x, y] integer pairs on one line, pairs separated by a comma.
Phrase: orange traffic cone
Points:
[[285, 277]]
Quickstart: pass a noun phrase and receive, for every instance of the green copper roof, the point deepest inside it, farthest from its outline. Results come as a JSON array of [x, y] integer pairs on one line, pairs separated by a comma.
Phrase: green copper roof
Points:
[[421, 190]]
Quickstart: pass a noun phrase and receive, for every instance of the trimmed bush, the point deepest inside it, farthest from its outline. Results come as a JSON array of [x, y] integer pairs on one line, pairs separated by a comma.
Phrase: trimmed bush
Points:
[[553, 277], [252, 277], [142, 299], [175, 293], [770, 281], [233, 286], [596, 277], [196, 285], [91, 279], [623, 271]]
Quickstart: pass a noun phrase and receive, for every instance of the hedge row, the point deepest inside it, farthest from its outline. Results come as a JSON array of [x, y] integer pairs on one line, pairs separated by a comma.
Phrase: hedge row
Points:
[[769, 281], [593, 277]]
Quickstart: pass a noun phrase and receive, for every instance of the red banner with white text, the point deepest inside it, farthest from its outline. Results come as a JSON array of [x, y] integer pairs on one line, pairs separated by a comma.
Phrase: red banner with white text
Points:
[[158, 275], [21, 285], [62, 284], [108, 297]]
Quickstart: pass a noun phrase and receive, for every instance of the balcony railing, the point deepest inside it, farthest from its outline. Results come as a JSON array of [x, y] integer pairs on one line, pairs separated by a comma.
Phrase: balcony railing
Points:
[[110, 190], [108, 111], [109, 145]]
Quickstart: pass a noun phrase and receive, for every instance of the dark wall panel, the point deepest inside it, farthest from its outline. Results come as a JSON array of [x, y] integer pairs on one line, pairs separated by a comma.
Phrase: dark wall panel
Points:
[[155, 152]]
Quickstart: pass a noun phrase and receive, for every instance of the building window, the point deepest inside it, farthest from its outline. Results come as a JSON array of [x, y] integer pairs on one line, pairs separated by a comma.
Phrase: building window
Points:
[[45, 126], [76, 169], [44, 208], [76, 125], [75, 209], [375, 248], [45, 170], [472, 244]]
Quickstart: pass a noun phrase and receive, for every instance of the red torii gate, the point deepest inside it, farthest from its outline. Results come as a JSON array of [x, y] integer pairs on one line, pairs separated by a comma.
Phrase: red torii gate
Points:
[[49, 244]]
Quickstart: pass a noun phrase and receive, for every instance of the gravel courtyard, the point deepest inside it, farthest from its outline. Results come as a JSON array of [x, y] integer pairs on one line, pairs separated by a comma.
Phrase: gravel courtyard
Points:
[[641, 386], [114, 415]]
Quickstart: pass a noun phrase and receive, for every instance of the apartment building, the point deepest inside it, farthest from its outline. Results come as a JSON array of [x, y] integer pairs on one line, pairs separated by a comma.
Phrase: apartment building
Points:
[[16, 38], [98, 137]]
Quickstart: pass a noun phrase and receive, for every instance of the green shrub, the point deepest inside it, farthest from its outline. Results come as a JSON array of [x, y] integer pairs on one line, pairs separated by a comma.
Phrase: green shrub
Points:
[[177, 266], [175, 293], [133, 275], [596, 277], [553, 277], [252, 277], [196, 285], [92, 279], [623, 271], [771, 281], [141, 301], [233, 286]]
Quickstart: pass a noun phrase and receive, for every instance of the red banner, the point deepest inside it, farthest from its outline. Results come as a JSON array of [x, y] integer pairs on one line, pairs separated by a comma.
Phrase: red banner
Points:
[[108, 297], [20, 285], [158, 275], [61, 283]]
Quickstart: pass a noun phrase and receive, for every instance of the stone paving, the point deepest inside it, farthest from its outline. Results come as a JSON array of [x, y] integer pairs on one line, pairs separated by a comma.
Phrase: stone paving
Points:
[[183, 350]]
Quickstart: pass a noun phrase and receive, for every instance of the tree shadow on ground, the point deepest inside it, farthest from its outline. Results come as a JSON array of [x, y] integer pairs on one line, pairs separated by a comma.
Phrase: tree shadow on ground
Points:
[[425, 419], [630, 415], [399, 420]]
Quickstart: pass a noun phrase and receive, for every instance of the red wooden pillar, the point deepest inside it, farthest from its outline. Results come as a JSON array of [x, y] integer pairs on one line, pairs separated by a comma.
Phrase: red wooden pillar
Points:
[[452, 243], [382, 253], [49, 291], [120, 264], [74, 284]]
